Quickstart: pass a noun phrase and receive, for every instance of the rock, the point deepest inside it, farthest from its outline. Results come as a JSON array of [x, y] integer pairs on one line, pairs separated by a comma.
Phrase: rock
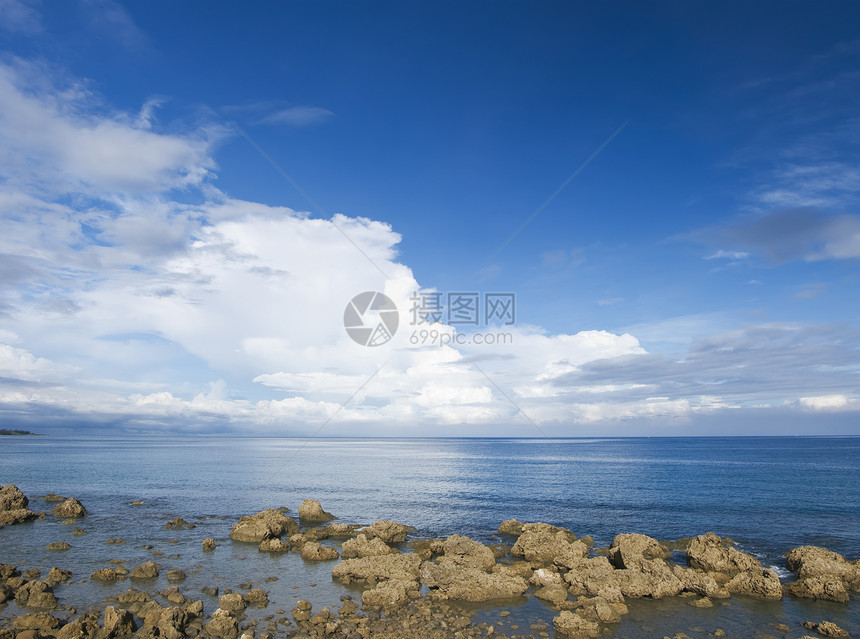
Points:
[[467, 552], [813, 561], [257, 598], [339, 530], [311, 510], [652, 579], [57, 576], [826, 588], [178, 522], [36, 621], [264, 525], [543, 544], [69, 509], [545, 577], [710, 553], [105, 574], [148, 570], [171, 623], [209, 544], [556, 594], [11, 498], [274, 545], [762, 583], [390, 594], [572, 625], [18, 516], [58, 545], [628, 550], [117, 540], [511, 527], [77, 532], [704, 602], [313, 551], [361, 546], [825, 629], [388, 531], [234, 602], [36, 594], [374, 569], [118, 623], [222, 626], [598, 609], [452, 581], [175, 575], [302, 611], [700, 583], [53, 497]]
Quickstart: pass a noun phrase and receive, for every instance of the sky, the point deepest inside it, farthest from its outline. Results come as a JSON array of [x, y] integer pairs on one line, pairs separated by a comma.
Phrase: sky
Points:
[[664, 195]]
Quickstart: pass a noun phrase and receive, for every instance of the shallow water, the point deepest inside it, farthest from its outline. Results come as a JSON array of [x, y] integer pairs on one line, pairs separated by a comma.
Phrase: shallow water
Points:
[[769, 494]]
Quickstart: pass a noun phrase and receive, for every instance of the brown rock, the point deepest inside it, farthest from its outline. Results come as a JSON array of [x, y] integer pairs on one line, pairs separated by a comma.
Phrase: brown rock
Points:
[[11, 498], [148, 570], [829, 588], [274, 545], [361, 546], [628, 550], [209, 544], [390, 594], [813, 561], [511, 527], [257, 598], [104, 574], [374, 569], [311, 510], [543, 544], [388, 531], [264, 525], [17, 516], [313, 551], [710, 553], [58, 545], [234, 602], [452, 581], [70, 509], [761, 583], [36, 621], [573, 625], [118, 623], [467, 552], [825, 629]]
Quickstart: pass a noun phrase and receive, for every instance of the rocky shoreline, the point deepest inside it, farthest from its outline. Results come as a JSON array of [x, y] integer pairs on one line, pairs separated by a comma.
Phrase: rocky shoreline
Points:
[[414, 587]]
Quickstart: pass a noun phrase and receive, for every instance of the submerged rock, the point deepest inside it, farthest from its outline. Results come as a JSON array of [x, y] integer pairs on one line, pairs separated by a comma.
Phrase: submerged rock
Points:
[[573, 625], [274, 545], [313, 551]]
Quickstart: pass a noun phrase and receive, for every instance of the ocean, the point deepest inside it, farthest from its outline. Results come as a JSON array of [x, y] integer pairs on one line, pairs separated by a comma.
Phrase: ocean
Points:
[[769, 494]]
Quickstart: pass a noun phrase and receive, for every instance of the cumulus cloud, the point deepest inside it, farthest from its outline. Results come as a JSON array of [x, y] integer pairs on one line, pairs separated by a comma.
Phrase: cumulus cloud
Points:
[[121, 303]]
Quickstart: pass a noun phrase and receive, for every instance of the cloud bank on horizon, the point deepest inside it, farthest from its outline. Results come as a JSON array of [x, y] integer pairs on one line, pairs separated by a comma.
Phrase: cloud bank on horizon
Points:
[[137, 293]]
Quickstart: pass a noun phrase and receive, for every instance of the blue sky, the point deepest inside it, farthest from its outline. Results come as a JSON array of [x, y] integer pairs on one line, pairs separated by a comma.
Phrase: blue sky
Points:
[[698, 275]]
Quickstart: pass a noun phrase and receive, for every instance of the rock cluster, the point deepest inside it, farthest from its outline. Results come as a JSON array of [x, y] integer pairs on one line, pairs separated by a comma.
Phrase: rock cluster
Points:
[[13, 506]]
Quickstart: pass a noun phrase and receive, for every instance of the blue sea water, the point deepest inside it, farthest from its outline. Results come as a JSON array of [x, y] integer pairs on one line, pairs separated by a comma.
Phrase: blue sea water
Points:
[[769, 494]]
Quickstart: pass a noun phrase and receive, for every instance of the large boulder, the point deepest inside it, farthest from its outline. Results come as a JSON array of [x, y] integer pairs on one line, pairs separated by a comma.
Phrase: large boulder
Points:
[[390, 594], [311, 510], [70, 509], [762, 583], [374, 569], [467, 552], [573, 625], [314, 551], [118, 622], [36, 621], [388, 531], [36, 594], [628, 550], [511, 527], [12, 499], [449, 580], [710, 553], [264, 525], [814, 561], [18, 516], [147, 570], [543, 544], [222, 626], [361, 546], [700, 582], [652, 578], [826, 588]]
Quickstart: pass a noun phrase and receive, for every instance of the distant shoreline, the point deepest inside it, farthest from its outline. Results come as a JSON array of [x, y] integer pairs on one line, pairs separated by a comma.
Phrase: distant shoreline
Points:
[[19, 433]]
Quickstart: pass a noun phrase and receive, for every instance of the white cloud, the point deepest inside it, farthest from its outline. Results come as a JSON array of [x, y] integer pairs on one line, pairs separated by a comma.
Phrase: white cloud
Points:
[[124, 303], [20, 16], [825, 402], [299, 116], [727, 255]]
